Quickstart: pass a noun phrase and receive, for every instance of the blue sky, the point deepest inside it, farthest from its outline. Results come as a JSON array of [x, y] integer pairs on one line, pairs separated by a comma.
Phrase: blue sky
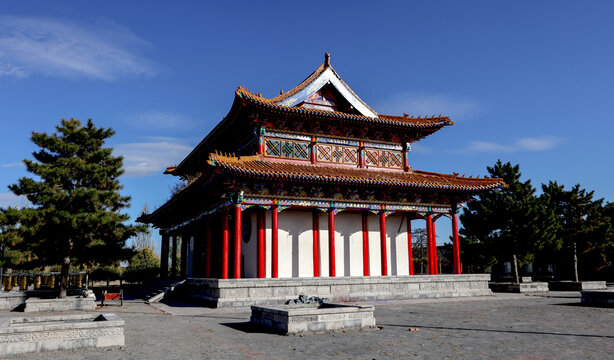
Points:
[[525, 81]]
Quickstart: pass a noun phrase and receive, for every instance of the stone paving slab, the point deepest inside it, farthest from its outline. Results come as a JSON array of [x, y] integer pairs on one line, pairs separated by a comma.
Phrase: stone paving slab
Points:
[[504, 326]]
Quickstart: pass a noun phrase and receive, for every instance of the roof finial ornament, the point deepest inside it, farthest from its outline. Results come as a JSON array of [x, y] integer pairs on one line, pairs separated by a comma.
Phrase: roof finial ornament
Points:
[[327, 58], [281, 92]]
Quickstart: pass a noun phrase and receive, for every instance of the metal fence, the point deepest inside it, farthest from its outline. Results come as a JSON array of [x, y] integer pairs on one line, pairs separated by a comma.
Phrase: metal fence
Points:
[[42, 280]]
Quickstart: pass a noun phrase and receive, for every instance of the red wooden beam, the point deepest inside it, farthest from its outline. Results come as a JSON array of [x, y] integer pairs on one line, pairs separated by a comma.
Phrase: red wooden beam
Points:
[[434, 249], [316, 244], [274, 243], [429, 234], [314, 149], [365, 244], [455, 245], [361, 155], [237, 243], [382, 236], [261, 221], [410, 250], [224, 274]]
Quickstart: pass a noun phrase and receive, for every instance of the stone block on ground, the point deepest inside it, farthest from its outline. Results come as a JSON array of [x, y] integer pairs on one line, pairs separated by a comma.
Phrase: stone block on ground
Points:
[[60, 332], [576, 285], [598, 297], [532, 287], [69, 303], [306, 319]]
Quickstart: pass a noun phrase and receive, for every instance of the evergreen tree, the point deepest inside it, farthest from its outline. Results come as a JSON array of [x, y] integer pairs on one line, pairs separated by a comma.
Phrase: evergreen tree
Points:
[[509, 223], [582, 223], [419, 249], [75, 214], [143, 239]]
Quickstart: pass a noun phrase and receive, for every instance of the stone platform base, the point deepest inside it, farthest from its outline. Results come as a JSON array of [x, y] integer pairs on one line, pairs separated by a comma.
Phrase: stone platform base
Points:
[[246, 292], [576, 285], [12, 299], [69, 303], [64, 332], [529, 287], [290, 319], [598, 297], [9, 300]]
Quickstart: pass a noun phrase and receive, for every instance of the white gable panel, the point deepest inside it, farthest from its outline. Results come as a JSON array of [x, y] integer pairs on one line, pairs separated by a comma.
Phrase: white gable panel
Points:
[[327, 77]]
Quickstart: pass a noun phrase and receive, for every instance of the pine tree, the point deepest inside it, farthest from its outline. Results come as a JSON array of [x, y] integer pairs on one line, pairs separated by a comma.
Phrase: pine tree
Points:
[[509, 223], [582, 225], [75, 213]]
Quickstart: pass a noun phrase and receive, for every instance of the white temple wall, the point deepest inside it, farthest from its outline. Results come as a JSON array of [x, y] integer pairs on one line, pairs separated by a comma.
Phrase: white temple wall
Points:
[[396, 229], [295, 245], [375, 262], [323, 221], [249, 249], [349, 228]]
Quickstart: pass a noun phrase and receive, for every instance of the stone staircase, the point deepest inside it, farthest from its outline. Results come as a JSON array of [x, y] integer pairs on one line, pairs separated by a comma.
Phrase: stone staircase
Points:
[[165, 286], [150, 291]]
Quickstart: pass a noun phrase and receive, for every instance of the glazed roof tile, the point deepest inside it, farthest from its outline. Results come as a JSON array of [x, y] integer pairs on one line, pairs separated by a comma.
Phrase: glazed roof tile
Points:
[[256, 166], [435, 122]]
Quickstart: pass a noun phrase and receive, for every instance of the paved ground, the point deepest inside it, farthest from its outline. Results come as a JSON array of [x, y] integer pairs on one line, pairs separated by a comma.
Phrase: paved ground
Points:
[[506, 326]]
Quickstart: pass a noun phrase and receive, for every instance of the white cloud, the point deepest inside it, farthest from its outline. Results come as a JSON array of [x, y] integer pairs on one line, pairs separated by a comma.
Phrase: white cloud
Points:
[[147, 158], [420, 148], [10, 165], [161, 120], [37, 45], [417, 103], [541, 143], [10, 199], [11, 70]]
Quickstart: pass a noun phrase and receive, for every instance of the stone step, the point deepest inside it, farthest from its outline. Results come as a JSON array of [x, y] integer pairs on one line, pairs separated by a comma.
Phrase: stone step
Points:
[[163, 292]]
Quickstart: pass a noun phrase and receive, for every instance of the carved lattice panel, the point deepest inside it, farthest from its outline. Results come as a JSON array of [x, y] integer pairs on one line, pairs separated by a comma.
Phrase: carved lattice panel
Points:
[[371, 157], [289, 149], [272, 147], [337, 154], [396, 159], [384, 158], [301, 150], [324, 153]]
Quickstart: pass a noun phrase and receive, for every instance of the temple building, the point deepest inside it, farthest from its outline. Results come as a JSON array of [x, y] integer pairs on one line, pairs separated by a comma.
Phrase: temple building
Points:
[[310, 183]]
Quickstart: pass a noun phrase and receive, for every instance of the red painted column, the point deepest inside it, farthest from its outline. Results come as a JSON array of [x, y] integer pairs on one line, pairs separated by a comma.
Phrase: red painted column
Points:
[[274, 243], [410, 250], [208, 249], [331, 243], [314, 149], [316, 244], [237, 247], [224, 274], [261, 145], [261, 223], [382, 236], [429, 235], [361, 155], [365, 244], [434, 249], [455, 245], [406, 157]]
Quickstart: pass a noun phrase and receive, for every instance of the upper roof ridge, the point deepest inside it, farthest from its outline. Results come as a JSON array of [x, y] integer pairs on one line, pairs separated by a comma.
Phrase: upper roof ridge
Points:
[[325, 74]]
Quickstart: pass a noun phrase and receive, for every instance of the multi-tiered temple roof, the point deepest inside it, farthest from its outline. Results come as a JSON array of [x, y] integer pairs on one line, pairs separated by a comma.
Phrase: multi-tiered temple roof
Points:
[[316, 142]]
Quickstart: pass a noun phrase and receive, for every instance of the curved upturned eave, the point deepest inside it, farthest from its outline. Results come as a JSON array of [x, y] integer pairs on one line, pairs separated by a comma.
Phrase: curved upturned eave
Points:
[[258, 168], [435, 123]]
